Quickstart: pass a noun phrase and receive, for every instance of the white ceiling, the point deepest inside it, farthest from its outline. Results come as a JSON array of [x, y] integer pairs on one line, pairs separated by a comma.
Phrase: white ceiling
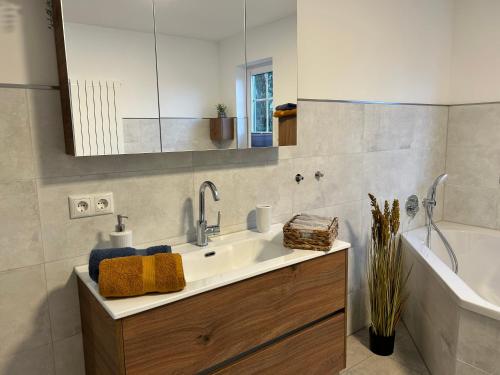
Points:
[[202, 19]]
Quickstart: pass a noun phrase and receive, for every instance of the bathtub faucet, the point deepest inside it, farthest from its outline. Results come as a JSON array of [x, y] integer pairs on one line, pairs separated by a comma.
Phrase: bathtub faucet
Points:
[[429, 203], [431, 193]]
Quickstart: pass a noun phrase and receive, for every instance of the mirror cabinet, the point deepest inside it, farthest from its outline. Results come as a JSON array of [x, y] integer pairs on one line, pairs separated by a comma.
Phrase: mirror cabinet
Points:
[[144, 76]]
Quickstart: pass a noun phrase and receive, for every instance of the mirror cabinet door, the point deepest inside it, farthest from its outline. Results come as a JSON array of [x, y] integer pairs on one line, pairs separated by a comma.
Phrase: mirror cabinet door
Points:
[[148, 76], [201, 74], [271, 53], [111, 68]]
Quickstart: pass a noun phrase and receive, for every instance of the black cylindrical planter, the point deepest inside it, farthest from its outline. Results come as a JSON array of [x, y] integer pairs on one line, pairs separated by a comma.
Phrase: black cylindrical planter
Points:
[[382, 345]]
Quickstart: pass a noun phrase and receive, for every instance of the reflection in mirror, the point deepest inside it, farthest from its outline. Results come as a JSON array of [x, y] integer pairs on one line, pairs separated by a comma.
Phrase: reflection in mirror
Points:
[[201, 64], [110, 52], [271, 52]]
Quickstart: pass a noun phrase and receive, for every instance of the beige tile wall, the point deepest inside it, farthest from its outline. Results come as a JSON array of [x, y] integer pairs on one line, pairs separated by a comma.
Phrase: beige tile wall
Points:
[[390, 150], [472, 194]]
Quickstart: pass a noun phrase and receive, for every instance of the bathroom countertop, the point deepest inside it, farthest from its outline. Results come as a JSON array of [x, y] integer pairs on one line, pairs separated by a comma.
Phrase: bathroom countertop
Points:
[[198, 281]]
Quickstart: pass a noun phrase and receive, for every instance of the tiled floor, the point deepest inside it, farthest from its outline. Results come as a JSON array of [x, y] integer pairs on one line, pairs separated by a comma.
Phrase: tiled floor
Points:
[[405, 361]]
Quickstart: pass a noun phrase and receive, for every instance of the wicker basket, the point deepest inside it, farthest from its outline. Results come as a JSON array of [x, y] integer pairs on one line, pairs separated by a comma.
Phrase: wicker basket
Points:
[[309, 232]]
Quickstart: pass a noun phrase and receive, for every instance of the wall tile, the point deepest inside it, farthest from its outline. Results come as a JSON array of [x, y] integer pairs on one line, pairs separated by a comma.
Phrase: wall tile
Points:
[[245, 156], [68, 354], [498, 212], [358, 310], [473, 166], [349, 215], [471, 205], [428, 164], [141, 136], [357, 269], [50, 157], [63, 297], [389, 174], [474, 125], [159, 206], [24, 315], [190, 134], [16, 161], [241, 188], [431, 127], [366, 223], [342, 181], [390, 127], [20, 233], [37, 361], [326, 128]]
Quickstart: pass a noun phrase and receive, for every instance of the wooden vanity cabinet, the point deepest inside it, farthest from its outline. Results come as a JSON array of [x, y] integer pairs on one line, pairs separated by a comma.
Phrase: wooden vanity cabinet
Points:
[[288, 321]]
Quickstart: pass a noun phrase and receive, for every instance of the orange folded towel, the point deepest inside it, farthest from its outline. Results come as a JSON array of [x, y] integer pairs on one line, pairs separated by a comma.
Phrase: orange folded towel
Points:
[[289, 112], [137, 275]]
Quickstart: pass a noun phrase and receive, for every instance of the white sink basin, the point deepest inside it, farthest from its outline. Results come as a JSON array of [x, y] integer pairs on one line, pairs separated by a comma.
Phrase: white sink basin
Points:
[[227, 259], [221, 259]]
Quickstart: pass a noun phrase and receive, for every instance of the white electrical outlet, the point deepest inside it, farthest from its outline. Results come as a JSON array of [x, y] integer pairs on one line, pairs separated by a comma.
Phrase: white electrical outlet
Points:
[[103, 204], [81, 206], [90, 205]]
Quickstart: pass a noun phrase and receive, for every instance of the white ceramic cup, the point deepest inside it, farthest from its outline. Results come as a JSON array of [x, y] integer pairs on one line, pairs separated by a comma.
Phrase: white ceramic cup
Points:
[[264, 214]]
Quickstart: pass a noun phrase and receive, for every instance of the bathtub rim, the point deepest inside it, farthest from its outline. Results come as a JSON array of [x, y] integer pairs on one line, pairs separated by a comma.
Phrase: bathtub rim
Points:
[[462, 293]]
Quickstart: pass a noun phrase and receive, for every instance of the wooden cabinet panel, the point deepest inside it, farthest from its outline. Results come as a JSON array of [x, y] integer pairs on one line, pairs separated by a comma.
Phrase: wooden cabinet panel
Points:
[[287, 131], [222, 129], [319, 349], [102, 337], [199, 332]]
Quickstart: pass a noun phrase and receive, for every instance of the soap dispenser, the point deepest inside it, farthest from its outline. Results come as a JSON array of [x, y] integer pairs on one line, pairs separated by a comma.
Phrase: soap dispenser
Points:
[[121, 237]]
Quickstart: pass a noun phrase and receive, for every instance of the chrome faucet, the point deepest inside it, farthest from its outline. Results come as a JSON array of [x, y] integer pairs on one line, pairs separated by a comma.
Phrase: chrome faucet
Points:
[[203, 230]]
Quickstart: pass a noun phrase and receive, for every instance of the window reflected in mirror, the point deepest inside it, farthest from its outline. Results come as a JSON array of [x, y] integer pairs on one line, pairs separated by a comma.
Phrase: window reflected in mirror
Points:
[[261, 104]]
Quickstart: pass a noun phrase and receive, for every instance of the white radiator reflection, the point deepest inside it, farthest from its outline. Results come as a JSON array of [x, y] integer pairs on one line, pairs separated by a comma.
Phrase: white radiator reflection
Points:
[[97, 120]]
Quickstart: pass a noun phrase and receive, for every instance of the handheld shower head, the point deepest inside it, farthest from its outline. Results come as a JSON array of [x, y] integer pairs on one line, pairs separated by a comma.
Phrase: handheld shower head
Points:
[[431, 194]]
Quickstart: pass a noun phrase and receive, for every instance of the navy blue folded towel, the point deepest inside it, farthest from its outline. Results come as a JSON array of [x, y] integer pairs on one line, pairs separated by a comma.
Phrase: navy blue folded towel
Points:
[[286, 107], [97, 255]]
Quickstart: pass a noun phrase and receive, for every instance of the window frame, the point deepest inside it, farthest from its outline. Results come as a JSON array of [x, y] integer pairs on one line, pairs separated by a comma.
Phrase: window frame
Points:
[[253, 71]]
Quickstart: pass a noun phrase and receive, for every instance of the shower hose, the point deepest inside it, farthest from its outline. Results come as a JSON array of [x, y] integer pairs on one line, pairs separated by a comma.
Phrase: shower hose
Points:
[[449, 249]]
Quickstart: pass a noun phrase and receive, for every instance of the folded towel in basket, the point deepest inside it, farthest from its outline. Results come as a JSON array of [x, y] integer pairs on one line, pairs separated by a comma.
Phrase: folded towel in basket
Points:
[[98, 255], [138, 275]]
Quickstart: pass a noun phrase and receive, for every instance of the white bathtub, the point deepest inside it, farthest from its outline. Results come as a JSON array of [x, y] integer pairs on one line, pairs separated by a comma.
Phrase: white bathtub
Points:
[[454, 319], [477, 285]]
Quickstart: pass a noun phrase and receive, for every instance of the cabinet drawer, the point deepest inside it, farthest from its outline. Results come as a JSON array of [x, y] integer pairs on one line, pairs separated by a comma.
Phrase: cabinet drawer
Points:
[[319, 349], [199, 332]]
